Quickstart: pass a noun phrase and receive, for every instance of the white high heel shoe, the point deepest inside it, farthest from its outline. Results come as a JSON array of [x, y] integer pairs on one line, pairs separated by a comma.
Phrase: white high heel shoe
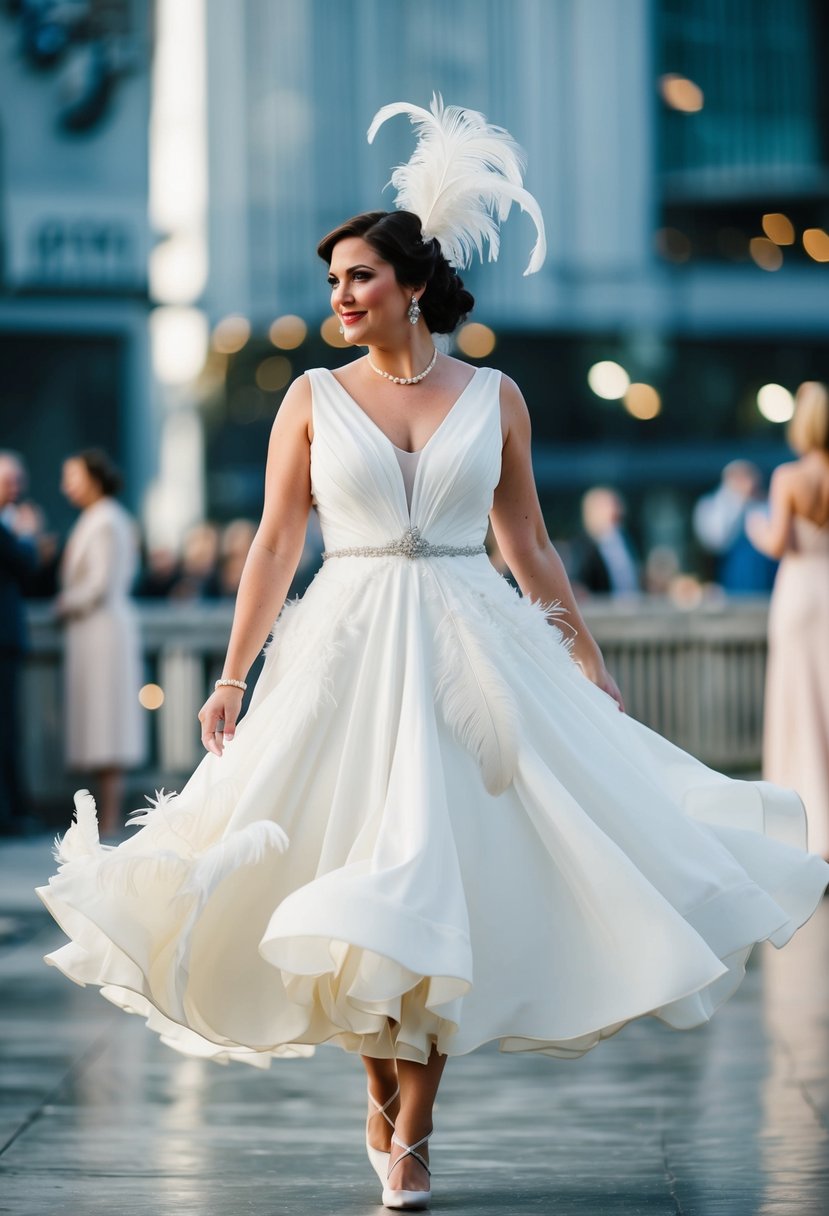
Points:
[[407, 1201], [379, 1159]]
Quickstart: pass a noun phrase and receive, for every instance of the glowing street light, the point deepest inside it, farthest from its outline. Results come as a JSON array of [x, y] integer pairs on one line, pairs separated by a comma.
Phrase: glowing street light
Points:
[[178, 341], [330, 332], [775, 403], [778, 228], [642, 401], [765, 253], [231, 334], [680, 93], [476, 340], [288, 332], [608, 380]]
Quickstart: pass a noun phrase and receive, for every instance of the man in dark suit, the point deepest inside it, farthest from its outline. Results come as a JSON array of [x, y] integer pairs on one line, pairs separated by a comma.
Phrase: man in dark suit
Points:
[[603, 561], [17, 560]]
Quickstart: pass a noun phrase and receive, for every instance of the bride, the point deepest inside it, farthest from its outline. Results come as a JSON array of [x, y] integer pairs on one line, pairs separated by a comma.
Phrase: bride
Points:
[[434, 828]]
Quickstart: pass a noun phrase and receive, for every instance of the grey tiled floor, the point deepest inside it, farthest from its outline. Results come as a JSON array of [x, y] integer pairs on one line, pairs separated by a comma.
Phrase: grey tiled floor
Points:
[[97, 1117]]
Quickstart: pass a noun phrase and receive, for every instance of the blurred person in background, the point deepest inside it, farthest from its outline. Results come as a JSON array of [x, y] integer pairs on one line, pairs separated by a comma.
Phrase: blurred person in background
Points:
[[796, 728], [159, 571], [234, 546], [196, 578], [104, 726], [27, 519], [12, 486], [719, 521], [662, 569], [18, 559], [604, 562]]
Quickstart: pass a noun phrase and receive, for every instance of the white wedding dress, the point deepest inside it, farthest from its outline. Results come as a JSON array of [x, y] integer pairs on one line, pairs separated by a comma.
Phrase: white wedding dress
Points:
[[430, 827]]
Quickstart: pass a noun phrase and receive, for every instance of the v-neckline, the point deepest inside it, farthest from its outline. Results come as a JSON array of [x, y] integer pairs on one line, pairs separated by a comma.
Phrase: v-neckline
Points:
[[380, 430]]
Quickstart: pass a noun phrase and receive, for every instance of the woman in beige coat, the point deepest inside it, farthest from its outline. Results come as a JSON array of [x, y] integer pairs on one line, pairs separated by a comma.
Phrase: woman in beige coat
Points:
[[104, 726]]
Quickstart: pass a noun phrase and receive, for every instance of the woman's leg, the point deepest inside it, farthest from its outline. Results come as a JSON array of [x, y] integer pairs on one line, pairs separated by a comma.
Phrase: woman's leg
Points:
[[418, 1090], [382, 1082]]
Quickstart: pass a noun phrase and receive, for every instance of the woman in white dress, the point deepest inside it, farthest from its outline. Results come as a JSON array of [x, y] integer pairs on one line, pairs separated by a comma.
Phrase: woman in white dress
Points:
[[102, 661], [435, 827]]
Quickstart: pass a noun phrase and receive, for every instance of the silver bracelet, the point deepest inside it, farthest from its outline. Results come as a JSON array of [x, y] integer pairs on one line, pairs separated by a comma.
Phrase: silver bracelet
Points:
[[231, 684]]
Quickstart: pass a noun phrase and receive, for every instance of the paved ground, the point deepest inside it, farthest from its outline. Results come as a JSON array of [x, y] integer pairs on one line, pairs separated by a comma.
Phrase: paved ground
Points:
[[97, 1117]]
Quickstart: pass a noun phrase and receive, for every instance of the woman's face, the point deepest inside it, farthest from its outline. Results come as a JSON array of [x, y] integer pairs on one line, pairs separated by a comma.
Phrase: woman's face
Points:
[[77, 483], [366, 297]]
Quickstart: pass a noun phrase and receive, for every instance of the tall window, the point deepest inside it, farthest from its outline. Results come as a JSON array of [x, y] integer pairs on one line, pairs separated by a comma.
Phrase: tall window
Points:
[[743, 120]]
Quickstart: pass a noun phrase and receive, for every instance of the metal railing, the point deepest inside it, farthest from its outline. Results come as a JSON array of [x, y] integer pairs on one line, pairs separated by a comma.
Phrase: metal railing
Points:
[[695, 676]]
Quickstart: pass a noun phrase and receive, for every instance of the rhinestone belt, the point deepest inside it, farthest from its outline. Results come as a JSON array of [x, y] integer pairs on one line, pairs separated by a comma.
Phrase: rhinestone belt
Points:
[[410, 544]]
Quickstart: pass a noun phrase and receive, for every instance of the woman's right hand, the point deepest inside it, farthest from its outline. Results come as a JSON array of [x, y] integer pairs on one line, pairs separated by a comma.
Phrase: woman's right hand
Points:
[[218, 717]]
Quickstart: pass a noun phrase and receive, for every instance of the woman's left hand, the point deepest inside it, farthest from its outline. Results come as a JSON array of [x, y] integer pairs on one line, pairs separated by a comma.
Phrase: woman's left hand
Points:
[[595, 670]]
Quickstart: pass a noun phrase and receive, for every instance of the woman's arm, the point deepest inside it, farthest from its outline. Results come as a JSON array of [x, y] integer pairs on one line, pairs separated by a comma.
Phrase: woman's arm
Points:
[[770, 532], [522, 536], [272, 560]]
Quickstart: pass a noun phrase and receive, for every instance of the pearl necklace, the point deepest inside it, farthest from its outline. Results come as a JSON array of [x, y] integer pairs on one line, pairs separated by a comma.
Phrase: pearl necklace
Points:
[[403, 379]]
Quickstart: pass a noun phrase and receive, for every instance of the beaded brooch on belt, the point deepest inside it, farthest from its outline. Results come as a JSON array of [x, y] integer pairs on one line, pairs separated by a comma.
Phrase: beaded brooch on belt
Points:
[[411, 544]]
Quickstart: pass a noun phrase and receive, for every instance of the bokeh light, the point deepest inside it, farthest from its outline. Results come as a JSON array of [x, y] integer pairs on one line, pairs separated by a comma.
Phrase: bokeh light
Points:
[[642, 401], [765, 253], [775, 403], [178, 270], [330, 333], [231, 334], [476, 340], [178, 338], [151, 696], [816, 244], [288, 332], [673, 244], [778, 228], [274, 373], [608, 380], [680, 93]]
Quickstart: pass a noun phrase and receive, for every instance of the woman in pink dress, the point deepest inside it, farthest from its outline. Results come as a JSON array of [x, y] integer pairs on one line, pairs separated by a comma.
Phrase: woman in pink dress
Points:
[[796, 530]]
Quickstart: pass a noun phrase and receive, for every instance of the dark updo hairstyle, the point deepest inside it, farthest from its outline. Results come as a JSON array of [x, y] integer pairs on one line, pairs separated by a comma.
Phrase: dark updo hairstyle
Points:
[[102, 469], [397, 238]]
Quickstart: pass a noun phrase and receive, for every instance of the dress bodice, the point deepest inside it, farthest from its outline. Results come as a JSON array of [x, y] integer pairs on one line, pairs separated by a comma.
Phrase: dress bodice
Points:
[[358, 485], [408, 462]]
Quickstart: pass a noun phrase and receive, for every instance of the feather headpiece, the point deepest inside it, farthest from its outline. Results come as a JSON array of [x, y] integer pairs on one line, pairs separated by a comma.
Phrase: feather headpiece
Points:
[[461, 180]]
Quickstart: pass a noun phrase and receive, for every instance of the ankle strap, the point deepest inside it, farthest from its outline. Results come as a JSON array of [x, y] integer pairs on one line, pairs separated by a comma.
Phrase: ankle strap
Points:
[[381, 1110], [410, 1152]]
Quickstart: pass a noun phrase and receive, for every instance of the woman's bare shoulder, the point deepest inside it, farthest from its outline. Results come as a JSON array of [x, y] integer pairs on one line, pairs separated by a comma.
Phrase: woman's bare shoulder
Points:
[[515, 415], [790, 474], [295, 412]]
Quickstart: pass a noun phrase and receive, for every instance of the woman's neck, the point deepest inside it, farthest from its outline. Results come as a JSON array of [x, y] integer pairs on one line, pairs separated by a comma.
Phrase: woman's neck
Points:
[[410, 358]]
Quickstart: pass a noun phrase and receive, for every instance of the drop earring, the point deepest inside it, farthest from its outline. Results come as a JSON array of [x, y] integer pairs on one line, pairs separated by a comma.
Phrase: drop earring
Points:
[[342, 328], [413, 311]]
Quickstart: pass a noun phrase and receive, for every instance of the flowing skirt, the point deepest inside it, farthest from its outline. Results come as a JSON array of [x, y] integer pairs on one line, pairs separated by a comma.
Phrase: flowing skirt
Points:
[[430, 828]]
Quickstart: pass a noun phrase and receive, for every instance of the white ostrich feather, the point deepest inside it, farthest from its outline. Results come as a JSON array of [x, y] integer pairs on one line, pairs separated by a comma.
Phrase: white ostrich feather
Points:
[[158, 808], [247, 847], [477, 702], [138, 874], [80, 839], [462, 179]]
